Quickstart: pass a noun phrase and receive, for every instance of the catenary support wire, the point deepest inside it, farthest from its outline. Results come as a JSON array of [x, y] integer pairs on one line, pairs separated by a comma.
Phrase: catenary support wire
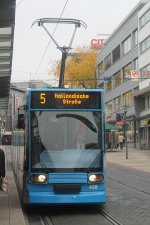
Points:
[[64, 50]]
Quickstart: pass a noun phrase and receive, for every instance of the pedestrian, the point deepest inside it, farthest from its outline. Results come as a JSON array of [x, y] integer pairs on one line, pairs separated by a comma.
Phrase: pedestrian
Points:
[[3, 180], [121, 140], [109, 146]]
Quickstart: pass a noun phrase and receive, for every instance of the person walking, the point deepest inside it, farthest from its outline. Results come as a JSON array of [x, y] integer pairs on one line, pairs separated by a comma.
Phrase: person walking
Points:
[[3, 180], [121, 140]]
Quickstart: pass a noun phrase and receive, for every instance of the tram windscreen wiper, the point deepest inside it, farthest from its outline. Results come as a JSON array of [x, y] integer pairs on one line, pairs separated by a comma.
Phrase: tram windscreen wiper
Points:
[[95, 162], [81, 118], [42, 164]]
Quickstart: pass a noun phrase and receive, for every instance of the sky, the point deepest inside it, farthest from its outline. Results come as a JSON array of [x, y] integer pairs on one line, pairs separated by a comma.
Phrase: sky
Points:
[[35, 54]]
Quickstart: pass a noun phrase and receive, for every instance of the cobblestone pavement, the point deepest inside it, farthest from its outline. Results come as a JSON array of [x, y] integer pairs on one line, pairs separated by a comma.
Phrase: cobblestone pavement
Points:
[[137, 159]]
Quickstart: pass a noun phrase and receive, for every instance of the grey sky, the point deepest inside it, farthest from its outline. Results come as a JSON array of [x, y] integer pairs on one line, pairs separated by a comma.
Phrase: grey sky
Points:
[[30, 43]]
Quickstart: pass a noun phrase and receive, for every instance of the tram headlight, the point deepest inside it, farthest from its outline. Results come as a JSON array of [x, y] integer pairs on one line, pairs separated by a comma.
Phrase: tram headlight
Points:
[[38, 178], [96, 178]]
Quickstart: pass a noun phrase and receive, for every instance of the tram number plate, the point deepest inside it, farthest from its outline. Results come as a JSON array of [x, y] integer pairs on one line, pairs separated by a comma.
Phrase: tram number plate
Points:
[[93, 187]]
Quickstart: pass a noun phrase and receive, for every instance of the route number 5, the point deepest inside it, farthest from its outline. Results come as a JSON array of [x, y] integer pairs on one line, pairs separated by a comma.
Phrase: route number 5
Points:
[[42, 98]]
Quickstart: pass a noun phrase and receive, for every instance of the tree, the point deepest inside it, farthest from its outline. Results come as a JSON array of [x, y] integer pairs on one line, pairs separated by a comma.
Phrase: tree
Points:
[[80, 69]]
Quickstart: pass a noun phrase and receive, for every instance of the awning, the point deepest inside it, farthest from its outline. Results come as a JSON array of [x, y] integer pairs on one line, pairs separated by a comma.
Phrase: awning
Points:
[[110, 127], [7, 24]]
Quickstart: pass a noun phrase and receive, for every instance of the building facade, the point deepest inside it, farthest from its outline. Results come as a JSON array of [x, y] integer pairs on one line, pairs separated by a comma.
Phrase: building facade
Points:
[[117, 73], [16, 95], [142, 97]]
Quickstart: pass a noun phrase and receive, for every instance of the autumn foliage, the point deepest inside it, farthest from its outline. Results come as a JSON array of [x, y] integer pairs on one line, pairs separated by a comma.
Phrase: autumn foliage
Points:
[[80, 69]]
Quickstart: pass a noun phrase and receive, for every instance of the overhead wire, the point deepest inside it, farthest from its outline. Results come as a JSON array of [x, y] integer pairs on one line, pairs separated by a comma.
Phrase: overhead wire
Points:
[[19, 3], [91, 79], [50, 39]]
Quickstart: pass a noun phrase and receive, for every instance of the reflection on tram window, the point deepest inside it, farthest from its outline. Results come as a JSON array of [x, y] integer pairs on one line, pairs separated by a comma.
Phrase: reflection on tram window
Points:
[[68, 140]]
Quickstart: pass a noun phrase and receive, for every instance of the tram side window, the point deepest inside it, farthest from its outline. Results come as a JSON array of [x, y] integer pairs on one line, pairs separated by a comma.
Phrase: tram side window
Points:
[[21, 123], [37, 146]]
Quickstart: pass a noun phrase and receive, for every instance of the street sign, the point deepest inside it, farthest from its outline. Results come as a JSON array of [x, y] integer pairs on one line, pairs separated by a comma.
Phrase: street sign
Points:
[[120, 118], [134, 74]]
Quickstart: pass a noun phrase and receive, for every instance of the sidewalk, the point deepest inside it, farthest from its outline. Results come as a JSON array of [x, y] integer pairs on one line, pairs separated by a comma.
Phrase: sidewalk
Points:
[[137, 159], [10, 208]]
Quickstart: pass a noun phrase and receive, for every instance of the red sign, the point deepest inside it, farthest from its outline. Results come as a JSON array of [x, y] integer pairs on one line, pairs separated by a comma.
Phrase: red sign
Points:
[[97, 43], [120, 118], [16, 102], [120, 123], [134, 74], [108, 118]]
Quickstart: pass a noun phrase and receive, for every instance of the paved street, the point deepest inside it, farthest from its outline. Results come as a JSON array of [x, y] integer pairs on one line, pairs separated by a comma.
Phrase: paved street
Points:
[[137, 159], [128, 182], [128, 196]]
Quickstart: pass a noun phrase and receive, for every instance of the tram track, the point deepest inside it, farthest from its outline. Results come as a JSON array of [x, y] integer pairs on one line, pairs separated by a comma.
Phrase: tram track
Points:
[[131, 187], [136, 182], [129, 173], [109, 219], [45, 219]]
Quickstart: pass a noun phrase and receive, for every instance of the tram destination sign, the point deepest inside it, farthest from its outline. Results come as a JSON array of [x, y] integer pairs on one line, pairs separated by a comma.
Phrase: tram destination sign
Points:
[[65, 100]]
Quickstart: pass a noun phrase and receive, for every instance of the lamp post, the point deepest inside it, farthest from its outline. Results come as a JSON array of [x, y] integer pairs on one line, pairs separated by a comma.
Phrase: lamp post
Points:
[[126, 142]]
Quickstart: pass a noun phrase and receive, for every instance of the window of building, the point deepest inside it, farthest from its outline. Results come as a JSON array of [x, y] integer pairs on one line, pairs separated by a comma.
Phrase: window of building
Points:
[[148, 102], [117, 103], [130, 131], [135, 64], [116, 54], [101, 86], [101, 68], [136, 89], [127, 72], [145, 45], [107, 62], [109, 85], [143, 104], [144, 134], [144, 19], [127, 99], [117, 79], [145, 71], [108, 107], [126, 45], [108, 111], [135, 38]]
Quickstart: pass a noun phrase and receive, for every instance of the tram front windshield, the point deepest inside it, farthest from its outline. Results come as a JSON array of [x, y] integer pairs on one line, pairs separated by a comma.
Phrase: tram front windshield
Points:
[[66, 141]]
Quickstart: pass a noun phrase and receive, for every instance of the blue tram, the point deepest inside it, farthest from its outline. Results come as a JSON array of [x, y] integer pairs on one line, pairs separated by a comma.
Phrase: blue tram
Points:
[[58, 147]]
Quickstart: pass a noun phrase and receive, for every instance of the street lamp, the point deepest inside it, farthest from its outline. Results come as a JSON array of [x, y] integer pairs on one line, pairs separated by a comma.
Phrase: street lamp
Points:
[[126, 142]]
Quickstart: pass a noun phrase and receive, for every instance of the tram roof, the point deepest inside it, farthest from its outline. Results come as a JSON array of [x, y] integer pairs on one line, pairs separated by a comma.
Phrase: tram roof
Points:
[[7, 24]]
